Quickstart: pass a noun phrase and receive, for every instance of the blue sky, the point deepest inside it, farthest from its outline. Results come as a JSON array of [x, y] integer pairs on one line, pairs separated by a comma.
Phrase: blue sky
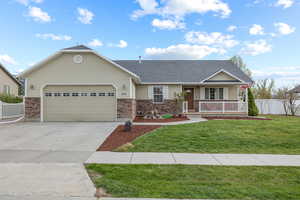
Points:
[[266, 33]]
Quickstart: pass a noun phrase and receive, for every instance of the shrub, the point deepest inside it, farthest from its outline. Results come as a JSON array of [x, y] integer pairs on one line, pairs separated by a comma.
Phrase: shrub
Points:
[[252, 108], [10, 99]]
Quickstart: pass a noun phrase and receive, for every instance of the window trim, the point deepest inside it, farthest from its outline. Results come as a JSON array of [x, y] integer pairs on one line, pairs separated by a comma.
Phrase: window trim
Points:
[[154, 94], [216, 93]]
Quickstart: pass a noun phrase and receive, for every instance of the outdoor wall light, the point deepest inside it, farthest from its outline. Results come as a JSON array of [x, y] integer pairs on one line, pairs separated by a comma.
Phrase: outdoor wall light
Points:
[[31, 87]]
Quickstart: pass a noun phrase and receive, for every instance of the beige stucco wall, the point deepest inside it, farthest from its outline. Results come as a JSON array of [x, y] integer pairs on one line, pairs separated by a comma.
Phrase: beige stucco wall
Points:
[[6, 80], [232, 91], [93, 70], [142, 91], [222, 76]]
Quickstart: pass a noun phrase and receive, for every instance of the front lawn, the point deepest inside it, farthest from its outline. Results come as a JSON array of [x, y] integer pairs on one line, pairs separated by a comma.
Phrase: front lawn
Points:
[[201, 182], [278, 136]]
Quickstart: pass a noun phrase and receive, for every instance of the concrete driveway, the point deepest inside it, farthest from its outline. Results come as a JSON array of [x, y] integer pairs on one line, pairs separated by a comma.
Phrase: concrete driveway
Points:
[[44, 160]]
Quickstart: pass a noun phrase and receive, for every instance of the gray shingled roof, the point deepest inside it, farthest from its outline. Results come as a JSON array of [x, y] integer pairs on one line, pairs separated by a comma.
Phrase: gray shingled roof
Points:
[[78, 47], [296, 89], [180, 70]]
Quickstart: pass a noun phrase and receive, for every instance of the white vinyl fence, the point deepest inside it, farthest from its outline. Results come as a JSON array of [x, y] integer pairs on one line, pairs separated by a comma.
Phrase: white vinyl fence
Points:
[[272, 106], [11, 110]]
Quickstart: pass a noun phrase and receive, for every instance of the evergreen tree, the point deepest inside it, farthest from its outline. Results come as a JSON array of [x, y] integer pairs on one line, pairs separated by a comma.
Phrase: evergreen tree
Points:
[[252, 108]]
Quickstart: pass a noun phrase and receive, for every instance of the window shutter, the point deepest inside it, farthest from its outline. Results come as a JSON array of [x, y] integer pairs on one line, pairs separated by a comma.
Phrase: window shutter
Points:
[[150, 92], [166, 92], [202, 93], [226, 93]]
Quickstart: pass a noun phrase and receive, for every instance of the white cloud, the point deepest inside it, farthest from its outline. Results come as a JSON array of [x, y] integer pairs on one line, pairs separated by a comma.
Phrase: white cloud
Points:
[[181, 51], [283, 75], [122, 44], [257, 47], [168, 24], [256, 29], [39, 15], [95, 43], [26, 2], [53, 36], [6, 59], [231, 28], [284, 3], [180, 8], [216, 39], [85, 16], [284, 29]]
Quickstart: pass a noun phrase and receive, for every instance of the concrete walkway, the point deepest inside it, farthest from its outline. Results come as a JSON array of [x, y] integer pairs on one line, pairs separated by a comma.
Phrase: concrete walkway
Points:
[[191, 121], [194, 159]]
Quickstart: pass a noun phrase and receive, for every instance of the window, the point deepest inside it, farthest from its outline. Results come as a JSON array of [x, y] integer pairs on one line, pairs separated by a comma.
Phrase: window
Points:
[[57, 94], [84, 94], [110, 94], [75, 94], [214, 93], [158, 96], [48, 94], [65, 94], [6, 89], [101, 94], [93, 94]]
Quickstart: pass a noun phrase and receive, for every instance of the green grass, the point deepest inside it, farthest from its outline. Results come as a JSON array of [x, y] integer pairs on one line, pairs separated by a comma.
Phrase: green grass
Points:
[[278, 136], [202, 182]]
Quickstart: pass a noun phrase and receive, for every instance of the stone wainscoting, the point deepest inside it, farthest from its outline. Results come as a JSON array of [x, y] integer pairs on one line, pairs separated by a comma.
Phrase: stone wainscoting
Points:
[[32, 108], [145, 106], [126, 109]]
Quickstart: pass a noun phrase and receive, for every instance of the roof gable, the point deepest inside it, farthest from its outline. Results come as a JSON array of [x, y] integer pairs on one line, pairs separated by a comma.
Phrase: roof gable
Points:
[[222, 76], [76, 49], [2, 68]]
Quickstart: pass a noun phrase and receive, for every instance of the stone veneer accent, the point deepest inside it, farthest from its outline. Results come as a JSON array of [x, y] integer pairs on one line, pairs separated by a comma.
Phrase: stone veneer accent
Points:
[[32, 108], [145, 106], [126, 108]]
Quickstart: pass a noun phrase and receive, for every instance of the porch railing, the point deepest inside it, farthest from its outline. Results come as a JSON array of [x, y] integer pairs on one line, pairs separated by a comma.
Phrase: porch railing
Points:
[[223, 106], [11, 110], [185, 107]]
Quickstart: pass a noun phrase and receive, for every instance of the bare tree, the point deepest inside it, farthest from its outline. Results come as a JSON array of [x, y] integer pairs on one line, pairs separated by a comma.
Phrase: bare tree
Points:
[[240, 63], [263, 89], [290, 102]]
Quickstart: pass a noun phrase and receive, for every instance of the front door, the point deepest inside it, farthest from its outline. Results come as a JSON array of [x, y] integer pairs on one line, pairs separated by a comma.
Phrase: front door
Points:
[[189, 97]]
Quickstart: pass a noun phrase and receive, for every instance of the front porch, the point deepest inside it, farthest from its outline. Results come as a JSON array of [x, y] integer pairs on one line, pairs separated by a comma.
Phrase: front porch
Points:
[[217, 100]]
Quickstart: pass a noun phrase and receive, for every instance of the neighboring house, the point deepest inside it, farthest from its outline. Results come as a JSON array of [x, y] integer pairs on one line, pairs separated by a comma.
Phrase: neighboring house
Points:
[[8, 84], [78, 84], [296, 90]]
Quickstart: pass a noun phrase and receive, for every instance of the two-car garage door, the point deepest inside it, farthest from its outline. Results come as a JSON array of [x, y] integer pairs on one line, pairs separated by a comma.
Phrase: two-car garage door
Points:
[[79, 103]]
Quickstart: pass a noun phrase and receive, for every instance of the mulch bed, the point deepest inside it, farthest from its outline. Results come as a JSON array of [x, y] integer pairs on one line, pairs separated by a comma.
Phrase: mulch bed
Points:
[[119, 137], [175, 119], [236, 117]]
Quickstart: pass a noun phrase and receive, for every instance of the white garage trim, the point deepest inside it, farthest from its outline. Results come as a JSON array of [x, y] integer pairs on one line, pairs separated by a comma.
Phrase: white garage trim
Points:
[[75, 84]]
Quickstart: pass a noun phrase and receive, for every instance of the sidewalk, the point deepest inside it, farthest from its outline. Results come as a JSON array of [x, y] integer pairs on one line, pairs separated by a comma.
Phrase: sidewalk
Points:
[[191, 121], [103, 157]]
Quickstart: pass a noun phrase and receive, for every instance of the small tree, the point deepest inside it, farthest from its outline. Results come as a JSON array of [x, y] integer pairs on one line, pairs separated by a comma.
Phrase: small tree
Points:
[[281, 93], [179, 99], [289, 103], [252, 108]]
